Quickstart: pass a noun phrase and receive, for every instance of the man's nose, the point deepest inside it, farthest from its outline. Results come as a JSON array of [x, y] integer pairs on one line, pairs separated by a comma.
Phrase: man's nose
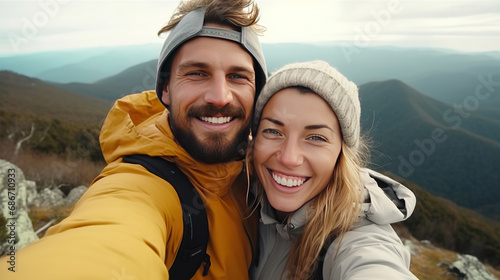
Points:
[[219, 93]]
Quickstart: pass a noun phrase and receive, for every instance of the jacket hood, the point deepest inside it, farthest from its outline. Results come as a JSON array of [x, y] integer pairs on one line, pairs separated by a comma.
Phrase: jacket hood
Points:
[[130, 128], [386, 201], [138, 124]]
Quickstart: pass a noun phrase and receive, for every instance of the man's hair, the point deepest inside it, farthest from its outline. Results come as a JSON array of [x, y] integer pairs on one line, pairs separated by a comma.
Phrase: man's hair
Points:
[[236, 13]]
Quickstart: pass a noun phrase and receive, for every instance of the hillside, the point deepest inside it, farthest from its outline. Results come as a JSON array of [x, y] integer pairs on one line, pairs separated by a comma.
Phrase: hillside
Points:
[[25, 95], [451, 154], [131, 80], [52, 119], [452, 227]]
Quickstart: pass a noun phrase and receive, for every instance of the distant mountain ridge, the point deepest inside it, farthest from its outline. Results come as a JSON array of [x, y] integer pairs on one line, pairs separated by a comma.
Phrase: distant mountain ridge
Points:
[[134, 79], [446, 75], [424, 141], [84, 66]]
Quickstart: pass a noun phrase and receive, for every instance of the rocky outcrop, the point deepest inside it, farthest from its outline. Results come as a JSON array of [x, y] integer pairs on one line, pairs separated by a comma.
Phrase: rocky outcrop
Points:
[[49, 197], [74, 195], [16, 196], [468, 267], [16, 193], [55, 197]]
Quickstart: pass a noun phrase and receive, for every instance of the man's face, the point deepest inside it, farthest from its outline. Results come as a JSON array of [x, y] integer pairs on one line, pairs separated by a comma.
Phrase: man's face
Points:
[[210, 94]]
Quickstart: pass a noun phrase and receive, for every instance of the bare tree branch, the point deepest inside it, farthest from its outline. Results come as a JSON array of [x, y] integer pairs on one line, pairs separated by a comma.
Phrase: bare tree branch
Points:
[[20, 142]]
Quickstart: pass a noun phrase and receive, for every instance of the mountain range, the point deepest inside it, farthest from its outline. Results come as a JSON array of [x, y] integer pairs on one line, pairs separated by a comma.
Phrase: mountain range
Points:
[[81, 65], [449, 76], [452, 153], [433, 115]]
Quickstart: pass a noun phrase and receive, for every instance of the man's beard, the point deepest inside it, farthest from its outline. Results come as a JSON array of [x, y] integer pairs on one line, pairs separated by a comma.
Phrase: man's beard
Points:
[[216, 148]]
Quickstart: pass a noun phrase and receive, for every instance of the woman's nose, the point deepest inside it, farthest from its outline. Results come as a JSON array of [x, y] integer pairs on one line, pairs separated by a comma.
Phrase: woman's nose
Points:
[[290, 154]]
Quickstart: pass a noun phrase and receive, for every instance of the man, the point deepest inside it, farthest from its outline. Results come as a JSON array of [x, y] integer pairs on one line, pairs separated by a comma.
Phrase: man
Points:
[[128, 225]]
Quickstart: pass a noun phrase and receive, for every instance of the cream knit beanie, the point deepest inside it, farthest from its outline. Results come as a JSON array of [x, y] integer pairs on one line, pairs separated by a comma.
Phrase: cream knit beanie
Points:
[[327, 82]]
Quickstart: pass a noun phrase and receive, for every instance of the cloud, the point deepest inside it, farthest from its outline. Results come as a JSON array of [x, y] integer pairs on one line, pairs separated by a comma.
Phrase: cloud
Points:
[[32, 26]]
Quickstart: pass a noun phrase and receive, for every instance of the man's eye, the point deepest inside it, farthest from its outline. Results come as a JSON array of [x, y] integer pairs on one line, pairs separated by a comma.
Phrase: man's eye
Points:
[[195, 74], [237, 76]]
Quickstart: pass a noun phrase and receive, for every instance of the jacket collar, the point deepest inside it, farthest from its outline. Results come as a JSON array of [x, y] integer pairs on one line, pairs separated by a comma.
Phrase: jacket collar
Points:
[[286, 230]]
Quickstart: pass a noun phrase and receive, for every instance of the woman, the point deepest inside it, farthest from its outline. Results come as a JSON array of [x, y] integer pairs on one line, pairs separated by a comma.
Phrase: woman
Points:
[[323, 216]]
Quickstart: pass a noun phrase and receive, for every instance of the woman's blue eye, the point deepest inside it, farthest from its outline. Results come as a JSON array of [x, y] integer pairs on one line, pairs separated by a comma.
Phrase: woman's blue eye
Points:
[[318, 138], [271, 131]]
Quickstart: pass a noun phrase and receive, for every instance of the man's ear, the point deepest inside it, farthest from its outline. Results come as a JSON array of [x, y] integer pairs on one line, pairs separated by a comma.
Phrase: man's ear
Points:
[[165, 97]]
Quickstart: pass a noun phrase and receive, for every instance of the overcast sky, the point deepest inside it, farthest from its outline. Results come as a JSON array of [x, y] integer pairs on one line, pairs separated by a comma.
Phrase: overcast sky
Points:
[[465, 25]]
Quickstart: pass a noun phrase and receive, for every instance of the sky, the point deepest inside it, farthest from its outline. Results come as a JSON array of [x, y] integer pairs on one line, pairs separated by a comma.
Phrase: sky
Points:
[[48, 25]]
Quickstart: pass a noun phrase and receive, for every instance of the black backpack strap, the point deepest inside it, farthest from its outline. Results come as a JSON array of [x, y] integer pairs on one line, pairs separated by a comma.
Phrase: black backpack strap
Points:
[[192, 251], [318, 273]]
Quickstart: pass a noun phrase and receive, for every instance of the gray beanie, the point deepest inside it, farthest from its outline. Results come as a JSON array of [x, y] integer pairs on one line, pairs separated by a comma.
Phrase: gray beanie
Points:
[[340, 93]]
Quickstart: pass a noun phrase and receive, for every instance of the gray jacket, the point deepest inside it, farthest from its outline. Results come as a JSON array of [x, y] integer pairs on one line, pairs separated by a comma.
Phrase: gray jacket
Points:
[[371, 250]]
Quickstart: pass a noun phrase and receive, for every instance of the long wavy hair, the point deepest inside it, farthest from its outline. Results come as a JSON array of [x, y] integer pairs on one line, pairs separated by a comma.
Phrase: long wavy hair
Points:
[[236, 13], [333, 212]]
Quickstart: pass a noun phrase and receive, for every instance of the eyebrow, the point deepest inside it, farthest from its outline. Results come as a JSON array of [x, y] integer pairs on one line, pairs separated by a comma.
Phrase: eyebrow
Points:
[[203, 65], [274, 121], [319, 126], [242, 69], [308, 127], [189, 64]]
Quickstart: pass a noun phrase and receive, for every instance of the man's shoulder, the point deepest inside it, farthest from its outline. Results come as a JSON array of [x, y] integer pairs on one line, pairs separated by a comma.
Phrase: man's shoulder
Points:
[[134, 180]]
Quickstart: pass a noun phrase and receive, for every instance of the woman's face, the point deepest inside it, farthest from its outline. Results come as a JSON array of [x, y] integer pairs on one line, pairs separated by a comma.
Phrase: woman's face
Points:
[[296, 148]]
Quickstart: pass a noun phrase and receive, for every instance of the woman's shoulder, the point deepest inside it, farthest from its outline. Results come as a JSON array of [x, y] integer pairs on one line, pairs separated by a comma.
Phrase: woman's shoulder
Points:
[[368, 251]]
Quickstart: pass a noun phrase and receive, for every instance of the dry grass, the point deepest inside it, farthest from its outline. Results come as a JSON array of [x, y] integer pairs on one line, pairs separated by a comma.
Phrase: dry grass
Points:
[[40, 216], [426, 265], [431, 263], [493, 271], [49, 170]]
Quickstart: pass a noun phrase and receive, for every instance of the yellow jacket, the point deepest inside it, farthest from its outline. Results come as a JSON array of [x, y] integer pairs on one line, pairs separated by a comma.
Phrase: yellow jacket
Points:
[[128, 225]]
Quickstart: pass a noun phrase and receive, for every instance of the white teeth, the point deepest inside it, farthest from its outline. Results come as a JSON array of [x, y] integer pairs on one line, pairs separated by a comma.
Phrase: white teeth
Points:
[[214, 120], [288, 182]]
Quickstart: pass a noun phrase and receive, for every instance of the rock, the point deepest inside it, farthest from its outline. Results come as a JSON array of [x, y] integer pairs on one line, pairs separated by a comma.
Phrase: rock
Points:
[[55, 197], [75, 194], [65, 188], [468, 267], [414, 249], [427, 244], [15, 194], [49, 197]]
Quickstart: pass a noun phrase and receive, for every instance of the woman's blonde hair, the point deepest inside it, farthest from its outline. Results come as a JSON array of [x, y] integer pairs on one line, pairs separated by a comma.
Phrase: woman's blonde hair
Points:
[[236, 13], [332, 213]]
